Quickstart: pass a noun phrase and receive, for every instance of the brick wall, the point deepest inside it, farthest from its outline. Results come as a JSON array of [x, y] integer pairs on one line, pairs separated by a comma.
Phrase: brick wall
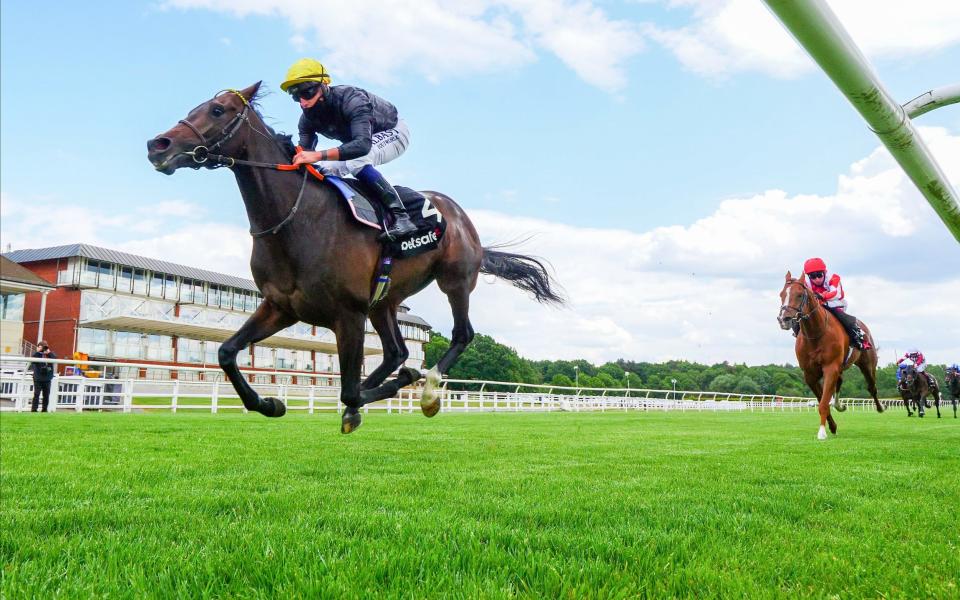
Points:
[[63, 310]]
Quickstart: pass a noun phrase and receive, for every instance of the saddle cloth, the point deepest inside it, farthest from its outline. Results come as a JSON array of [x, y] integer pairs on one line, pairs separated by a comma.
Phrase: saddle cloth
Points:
[[428, 220]]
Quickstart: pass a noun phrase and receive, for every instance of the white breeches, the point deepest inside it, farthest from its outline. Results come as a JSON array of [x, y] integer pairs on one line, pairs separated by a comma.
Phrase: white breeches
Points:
[[387, 145]]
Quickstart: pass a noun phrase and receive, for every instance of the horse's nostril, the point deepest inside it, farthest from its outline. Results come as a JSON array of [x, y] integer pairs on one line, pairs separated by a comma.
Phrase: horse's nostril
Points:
[[158, 144]]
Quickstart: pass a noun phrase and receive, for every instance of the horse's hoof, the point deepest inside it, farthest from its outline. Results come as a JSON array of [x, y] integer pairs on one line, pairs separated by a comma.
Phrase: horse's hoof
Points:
[[833, 429], [272, 407], [350, 421], [430, 398], [822, 434], [413, 374]]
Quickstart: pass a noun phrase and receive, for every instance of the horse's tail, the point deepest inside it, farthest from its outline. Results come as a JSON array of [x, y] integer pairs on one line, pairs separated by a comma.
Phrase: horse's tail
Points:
[[524, 272]]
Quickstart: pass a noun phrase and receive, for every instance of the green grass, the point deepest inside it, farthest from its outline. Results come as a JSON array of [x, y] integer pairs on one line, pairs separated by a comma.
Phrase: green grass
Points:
[[580, 505]]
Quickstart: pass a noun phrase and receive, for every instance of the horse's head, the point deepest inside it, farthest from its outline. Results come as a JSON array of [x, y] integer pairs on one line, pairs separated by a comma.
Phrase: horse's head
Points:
[[909, 376], [953, 374], [794, 298], [212, 126]]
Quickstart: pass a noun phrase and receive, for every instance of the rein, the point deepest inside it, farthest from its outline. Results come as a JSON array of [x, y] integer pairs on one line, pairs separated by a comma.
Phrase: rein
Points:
[[202, 154]]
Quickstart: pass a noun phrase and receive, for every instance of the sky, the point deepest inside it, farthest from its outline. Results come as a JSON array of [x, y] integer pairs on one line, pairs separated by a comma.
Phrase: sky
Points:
[[670, 159]]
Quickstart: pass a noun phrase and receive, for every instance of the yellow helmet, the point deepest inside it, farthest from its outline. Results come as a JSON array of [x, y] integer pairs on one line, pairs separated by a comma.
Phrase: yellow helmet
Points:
[[305, 69]]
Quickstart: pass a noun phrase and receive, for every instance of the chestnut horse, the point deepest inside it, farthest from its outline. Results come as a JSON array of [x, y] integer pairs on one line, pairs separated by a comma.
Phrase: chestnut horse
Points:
[[313, 263], [822, 349]]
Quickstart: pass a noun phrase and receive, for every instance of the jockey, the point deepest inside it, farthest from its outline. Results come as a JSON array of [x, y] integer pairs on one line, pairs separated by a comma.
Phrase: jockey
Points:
[[830, 293], [368, 126], [915, 357]]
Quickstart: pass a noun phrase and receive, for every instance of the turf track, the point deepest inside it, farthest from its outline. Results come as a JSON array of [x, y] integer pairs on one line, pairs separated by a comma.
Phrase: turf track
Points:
[[490, 505]]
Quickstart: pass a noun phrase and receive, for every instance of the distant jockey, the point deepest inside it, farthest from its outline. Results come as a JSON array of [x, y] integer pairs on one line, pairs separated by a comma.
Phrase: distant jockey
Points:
[[915, 357], [369, 127], [830, 293]]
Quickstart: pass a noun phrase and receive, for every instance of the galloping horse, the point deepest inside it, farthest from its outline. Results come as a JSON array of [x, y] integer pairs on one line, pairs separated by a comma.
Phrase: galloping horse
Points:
[[823, 349], [918, 388], [952, 381], [312, 263]]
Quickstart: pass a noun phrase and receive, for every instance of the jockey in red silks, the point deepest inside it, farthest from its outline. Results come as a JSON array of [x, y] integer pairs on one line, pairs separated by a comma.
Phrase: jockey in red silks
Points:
[[915, 357], [829, 291]]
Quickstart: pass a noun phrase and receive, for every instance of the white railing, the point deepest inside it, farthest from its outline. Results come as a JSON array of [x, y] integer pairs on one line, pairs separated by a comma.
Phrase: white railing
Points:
[[211, 393]]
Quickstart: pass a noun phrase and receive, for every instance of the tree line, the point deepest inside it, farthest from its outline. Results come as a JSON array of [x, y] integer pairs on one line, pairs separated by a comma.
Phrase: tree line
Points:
[[486, 359]]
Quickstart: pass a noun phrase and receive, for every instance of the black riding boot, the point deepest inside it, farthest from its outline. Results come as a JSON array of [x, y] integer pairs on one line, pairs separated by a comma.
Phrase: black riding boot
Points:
[[402, 226], [849, 323]]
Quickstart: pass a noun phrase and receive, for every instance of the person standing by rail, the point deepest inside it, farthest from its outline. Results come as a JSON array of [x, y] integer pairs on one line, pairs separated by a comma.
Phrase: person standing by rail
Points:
[[42, 376]]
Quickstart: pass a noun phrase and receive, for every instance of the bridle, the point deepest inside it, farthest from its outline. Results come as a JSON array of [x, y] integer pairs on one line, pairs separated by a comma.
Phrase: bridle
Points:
[[202, 153], [799, 316]]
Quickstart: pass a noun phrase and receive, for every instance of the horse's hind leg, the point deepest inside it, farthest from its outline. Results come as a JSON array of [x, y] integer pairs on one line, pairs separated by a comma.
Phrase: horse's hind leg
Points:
[[869, 371], [395, 353], [459, 298], [391, 337]]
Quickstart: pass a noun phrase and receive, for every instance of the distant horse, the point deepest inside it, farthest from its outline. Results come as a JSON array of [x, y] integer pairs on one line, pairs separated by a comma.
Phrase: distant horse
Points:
[[313, 263], [918, 388], [952, 381], [823, 349]]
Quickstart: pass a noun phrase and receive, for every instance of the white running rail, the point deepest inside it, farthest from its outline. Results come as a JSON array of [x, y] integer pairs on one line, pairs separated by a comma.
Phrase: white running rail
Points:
[[318, 392]]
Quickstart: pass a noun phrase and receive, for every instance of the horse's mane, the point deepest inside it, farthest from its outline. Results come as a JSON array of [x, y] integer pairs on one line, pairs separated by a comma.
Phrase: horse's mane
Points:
[[283, 140]]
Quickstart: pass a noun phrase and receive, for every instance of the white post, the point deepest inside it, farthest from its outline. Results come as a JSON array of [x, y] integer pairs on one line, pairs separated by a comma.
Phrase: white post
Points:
[[310, 400], [127, 387], [214, 396], [43, 313], [54, 395], [176, 396]]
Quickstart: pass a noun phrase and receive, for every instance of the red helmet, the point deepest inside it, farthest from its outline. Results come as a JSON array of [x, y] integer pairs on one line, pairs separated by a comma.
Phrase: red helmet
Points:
[[813, 265]]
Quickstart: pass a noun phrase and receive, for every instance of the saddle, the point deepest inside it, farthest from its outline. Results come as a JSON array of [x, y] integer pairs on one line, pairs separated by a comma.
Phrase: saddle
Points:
[[429, 223], [370, 213]]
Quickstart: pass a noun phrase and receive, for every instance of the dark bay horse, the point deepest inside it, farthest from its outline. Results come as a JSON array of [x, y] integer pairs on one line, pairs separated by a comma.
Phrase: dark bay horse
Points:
[[823, 349], [952, 383], [313, 263], [917, 387]]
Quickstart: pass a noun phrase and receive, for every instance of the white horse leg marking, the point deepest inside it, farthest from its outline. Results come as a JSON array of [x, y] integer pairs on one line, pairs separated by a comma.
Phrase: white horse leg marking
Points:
[[822, 434]]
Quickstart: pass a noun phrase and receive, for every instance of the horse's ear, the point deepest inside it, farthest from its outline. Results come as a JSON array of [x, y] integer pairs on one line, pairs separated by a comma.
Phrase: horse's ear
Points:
[[250, 92], [803, 278], [788, 277]]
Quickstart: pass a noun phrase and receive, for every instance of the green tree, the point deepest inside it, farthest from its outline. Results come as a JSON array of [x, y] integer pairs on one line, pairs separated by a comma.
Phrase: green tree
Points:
[[724, 383]]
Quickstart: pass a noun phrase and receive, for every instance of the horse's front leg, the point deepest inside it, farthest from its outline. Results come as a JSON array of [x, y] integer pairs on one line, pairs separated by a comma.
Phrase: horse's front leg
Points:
[[266, 321], [827, 391]]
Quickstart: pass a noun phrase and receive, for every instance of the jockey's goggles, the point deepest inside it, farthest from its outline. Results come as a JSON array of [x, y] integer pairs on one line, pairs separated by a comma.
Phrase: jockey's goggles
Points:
[[304, 91], [816, 275]]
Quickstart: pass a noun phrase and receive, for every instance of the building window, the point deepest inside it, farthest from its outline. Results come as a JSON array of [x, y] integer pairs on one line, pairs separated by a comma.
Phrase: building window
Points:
[[156, 285], [213, 298], [94, 342], [126, 344], [124, 279], [250, 301], [263, 357], [140, 282], [189, 351], [170, 287], [11, 307], [186, 291]]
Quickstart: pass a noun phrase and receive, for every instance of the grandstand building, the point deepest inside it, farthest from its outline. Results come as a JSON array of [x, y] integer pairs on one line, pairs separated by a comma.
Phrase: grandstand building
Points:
[[115, 306]]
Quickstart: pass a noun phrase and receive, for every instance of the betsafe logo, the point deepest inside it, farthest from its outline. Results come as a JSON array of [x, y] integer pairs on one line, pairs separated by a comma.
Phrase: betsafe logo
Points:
[[416, 242]]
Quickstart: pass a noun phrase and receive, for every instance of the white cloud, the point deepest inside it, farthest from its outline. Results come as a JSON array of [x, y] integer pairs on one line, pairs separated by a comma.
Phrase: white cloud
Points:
[[386, 40], [729, 36], [709, 290]]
